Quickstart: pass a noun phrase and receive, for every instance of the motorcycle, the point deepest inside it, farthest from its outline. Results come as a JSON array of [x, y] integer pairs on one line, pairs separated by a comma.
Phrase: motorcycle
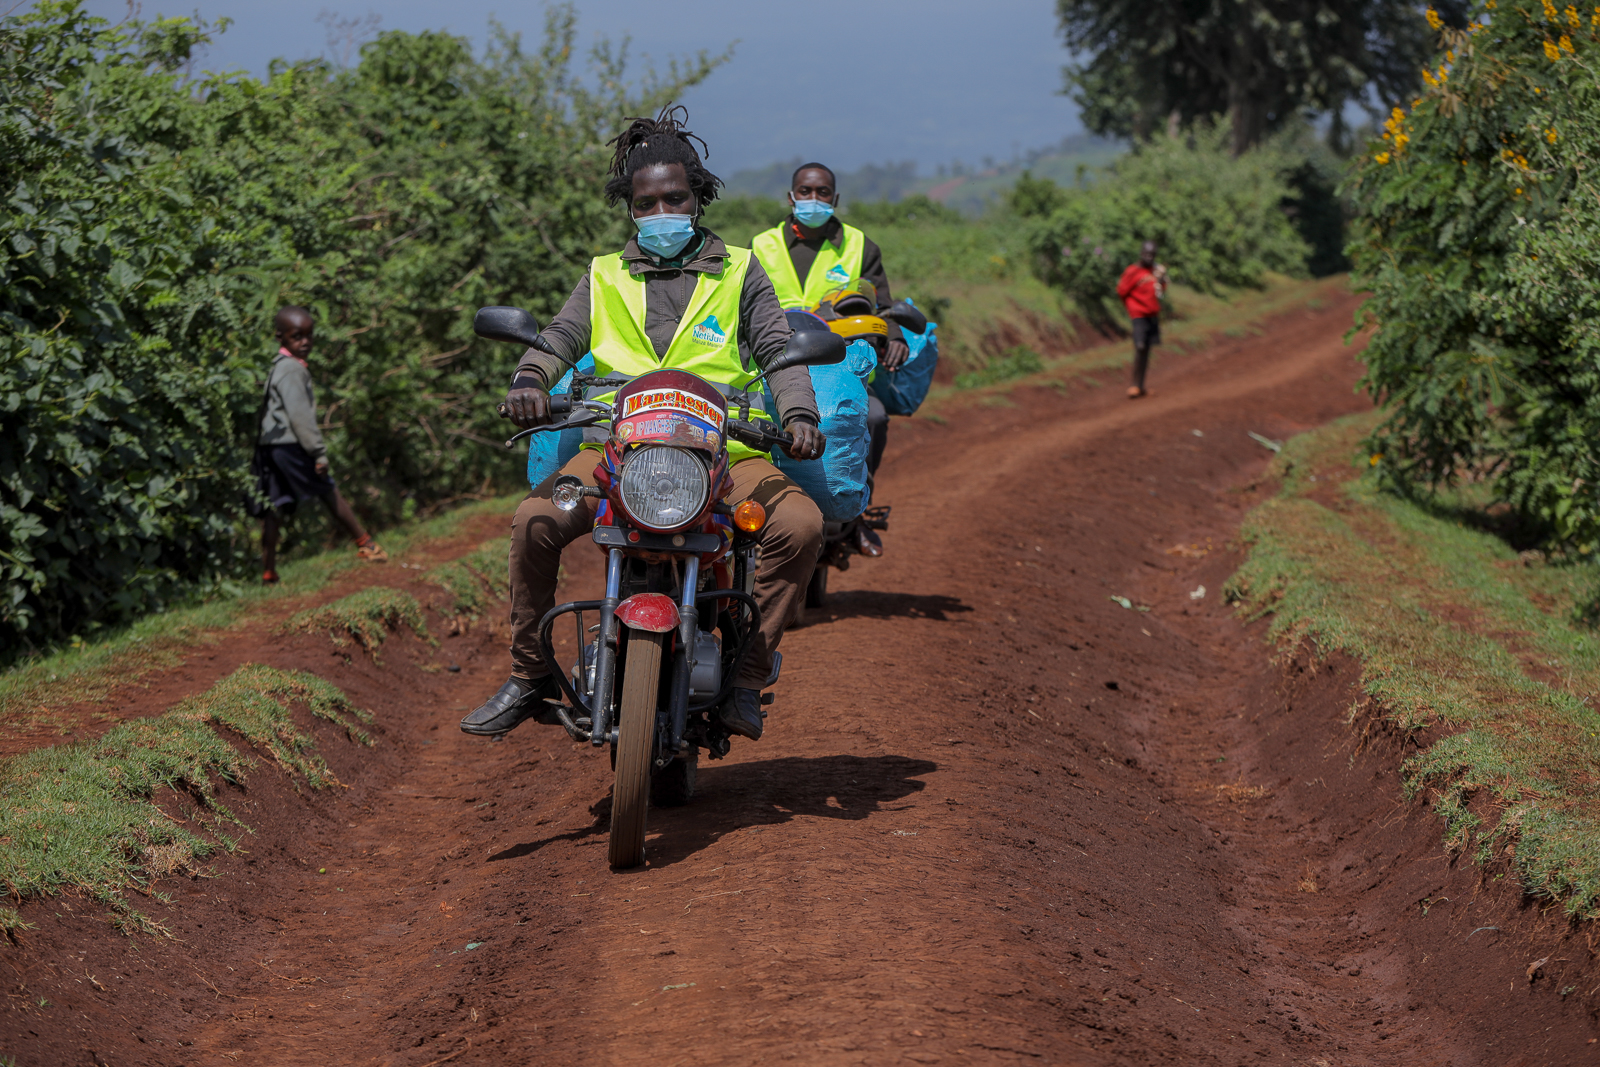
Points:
[[853, 315], [679, 613]]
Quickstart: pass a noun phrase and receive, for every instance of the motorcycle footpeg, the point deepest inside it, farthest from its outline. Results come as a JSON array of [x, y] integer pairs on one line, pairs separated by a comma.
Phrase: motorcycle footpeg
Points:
[[768, 698], [876, 518]]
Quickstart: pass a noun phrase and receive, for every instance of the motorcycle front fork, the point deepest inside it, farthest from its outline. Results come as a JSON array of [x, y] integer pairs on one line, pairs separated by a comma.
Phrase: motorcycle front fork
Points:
[[608, 641]]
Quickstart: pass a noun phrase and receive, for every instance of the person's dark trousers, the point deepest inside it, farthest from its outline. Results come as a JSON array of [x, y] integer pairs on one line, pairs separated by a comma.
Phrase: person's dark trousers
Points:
[[878, 427], [1146, 332]]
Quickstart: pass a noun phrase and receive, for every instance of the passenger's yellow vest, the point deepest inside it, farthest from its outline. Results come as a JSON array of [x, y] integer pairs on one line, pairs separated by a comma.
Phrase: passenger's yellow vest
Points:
[[834, 268], [706, 342]]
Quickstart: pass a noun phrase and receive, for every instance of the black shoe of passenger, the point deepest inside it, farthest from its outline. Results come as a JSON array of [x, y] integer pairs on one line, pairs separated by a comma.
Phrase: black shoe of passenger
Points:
[[742, 714], [514, 703]]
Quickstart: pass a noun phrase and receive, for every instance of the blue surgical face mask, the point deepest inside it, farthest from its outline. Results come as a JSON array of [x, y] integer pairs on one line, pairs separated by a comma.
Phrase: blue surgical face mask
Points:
[[664, 236], [812, 213]]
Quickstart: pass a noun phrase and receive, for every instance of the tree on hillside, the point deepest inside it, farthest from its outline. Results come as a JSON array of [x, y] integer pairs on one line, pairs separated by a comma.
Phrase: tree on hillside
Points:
[[1261, 62]]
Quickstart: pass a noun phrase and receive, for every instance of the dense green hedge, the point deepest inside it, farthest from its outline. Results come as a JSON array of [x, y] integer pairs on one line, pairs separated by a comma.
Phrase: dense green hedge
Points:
[[151, 225], [1220, 219], [1480, 241]]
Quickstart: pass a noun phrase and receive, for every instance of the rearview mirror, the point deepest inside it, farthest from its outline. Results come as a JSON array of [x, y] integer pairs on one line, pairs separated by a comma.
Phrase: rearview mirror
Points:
[[813, 348], [512, 325], [906, 315]]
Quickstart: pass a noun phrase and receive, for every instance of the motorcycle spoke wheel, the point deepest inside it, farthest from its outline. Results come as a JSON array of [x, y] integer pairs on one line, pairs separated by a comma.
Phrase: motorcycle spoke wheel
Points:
[[636, 734]]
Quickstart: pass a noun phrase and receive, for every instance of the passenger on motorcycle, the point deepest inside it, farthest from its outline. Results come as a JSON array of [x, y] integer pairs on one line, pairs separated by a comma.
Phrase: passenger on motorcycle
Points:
[[680, 295], [810, 254]]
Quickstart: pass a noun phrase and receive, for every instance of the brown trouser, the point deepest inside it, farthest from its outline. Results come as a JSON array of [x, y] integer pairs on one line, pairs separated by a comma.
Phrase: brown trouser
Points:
[[790, 543]]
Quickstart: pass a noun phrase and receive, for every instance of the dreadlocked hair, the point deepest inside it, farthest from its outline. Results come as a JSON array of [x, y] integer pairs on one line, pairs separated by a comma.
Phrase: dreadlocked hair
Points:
[[657, 141]]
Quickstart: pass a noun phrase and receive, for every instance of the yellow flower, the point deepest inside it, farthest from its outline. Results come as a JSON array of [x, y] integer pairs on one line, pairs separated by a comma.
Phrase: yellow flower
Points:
[[1433, 18], [1382, 159], [1566, 45], [1549, 10], [1552, 52], [1519, 190], [1490, 4], [1572, 16], [1550, 135], [1375, 459], [1427, 76]]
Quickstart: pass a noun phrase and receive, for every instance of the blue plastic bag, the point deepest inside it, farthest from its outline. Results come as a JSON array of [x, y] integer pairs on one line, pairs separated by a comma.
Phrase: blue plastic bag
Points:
[[903, 391], [549, 452], [838, 481]]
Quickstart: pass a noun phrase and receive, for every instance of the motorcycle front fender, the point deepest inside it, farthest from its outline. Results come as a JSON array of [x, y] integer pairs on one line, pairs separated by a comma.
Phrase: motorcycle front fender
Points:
[[653, 612]]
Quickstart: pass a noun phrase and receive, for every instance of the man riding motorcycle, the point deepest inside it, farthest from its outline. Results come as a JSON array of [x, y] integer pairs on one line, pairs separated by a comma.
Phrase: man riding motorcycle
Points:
[[676, 296], [811, 254]]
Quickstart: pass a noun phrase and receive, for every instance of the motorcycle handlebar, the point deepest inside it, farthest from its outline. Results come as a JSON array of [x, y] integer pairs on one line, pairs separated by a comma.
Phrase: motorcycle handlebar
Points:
[[560, 407], [755, 436]]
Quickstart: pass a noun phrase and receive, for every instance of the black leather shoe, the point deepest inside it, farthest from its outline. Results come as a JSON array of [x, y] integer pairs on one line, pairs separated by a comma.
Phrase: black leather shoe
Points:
[[514, 703], [742, 714]]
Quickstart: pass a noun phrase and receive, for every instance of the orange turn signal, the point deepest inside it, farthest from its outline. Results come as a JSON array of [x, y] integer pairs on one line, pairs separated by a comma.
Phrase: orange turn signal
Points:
[[750, 516]]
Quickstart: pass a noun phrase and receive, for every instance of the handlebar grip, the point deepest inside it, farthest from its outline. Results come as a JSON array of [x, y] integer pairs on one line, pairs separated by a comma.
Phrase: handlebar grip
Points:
[[560, 407]]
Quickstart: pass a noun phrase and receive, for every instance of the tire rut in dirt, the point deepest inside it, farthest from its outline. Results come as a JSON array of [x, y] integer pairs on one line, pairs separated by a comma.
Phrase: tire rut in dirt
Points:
[[636, 735]]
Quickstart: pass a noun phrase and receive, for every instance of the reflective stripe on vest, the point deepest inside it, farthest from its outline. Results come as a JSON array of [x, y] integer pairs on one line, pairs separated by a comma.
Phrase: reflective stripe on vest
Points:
[[707, 339], [834, 268]]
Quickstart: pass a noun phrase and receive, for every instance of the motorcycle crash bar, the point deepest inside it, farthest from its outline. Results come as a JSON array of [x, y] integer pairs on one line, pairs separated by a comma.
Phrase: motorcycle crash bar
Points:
[[654, 612]]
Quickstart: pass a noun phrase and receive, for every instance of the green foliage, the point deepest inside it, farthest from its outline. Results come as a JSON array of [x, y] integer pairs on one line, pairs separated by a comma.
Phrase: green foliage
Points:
[[1454, 633], [737, 219], [1265, 63], [913, 209], [84, 817], [1019, 362], [1219, 219], [475, 581], [368, 616], [151, 227], [1479, 240]]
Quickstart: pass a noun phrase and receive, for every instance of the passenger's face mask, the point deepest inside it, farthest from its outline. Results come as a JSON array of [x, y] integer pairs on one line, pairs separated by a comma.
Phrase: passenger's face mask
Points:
[[812, 212], [664, 236]]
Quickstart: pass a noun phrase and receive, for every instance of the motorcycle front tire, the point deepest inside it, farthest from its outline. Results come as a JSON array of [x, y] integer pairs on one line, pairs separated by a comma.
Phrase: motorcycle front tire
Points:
[[636, 734]]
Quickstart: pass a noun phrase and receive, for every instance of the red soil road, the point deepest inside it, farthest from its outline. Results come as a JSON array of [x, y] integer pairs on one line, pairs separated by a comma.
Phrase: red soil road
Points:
[[996, 818]]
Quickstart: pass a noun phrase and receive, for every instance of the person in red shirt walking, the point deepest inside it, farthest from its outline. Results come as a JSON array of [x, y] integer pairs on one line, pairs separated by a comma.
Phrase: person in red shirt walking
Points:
[[1141, 289]]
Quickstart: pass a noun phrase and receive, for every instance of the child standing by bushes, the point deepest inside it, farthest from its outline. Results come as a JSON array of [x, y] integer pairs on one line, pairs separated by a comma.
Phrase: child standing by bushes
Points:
[[291, 460]]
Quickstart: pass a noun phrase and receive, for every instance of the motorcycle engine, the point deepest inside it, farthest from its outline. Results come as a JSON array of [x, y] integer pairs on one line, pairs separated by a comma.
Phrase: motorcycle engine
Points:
[[705, 681]]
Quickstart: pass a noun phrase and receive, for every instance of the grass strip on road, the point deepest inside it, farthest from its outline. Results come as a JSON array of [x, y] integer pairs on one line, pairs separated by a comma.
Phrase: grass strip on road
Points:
[[476, 580], [90, 670], [84, 817], [366, 615], [1463, 642]]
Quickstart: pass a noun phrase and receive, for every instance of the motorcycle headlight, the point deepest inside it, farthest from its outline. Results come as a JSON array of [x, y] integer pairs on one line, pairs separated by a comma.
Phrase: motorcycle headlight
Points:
[[663, 487]]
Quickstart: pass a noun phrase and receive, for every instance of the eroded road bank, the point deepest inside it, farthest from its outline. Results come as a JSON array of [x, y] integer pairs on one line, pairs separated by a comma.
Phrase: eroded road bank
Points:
[[997, 817]]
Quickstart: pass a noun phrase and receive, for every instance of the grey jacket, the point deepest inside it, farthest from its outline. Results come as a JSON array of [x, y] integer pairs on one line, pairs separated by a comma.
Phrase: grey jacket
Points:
[[291, 416], [763, 329]]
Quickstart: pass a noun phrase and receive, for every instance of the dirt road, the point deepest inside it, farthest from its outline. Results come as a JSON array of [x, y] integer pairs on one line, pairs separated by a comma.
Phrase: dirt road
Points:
[[997, 817]]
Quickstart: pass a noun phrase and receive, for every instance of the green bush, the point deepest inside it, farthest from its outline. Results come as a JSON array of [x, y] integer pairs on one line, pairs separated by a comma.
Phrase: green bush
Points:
[[1219, 219], [151, 226], [1479, 239]]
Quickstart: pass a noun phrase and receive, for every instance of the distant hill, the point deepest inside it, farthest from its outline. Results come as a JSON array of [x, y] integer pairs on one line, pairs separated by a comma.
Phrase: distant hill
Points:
[[967, 190]]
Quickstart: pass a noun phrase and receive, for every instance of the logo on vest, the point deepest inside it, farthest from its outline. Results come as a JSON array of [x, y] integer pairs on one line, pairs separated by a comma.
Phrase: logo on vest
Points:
[[837, 273], [710, 332]]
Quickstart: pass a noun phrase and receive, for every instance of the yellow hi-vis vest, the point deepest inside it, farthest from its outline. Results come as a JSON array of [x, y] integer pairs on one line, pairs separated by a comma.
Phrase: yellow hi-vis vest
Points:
[[834, 268], [706, 342]]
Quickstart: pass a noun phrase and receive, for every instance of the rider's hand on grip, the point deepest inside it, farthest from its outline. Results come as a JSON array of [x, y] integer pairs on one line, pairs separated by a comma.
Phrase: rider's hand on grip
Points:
[[806, 441], [895, 355], [527, 407]]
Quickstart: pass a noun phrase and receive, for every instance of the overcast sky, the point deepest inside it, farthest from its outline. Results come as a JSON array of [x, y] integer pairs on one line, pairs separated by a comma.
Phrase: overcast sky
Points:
[[846, 81]]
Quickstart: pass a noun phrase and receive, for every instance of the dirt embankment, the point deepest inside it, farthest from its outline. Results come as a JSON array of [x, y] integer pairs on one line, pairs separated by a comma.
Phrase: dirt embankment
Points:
[[997, 817]]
